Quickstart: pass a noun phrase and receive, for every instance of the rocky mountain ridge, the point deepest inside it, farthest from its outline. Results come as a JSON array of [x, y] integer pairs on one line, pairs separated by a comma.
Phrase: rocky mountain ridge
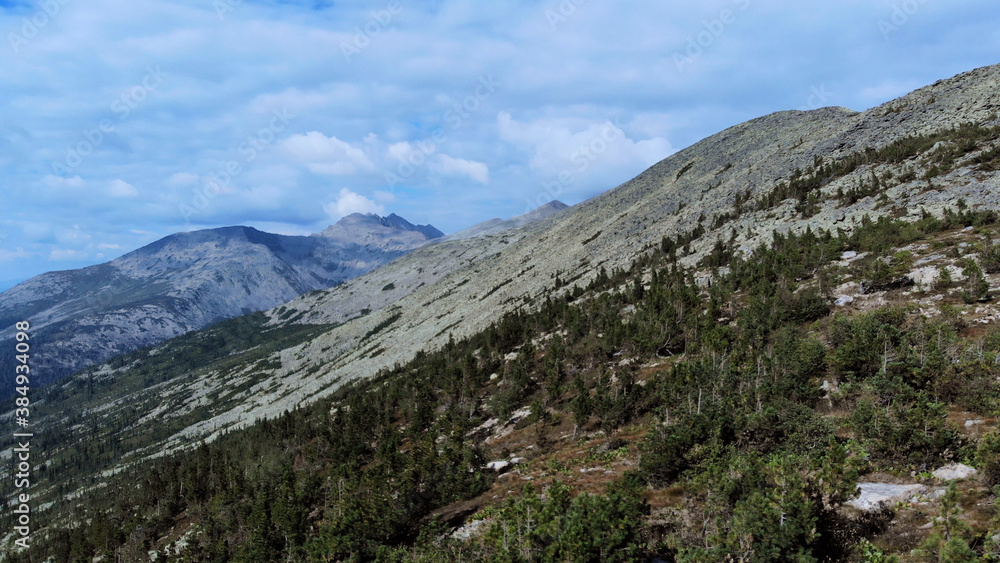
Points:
[[187, 281], [493, 226], [386, 233]]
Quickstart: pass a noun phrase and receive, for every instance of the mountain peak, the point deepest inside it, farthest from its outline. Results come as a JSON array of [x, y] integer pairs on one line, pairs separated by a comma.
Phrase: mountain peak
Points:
[[541, 211], [494, 226], [393, 230]]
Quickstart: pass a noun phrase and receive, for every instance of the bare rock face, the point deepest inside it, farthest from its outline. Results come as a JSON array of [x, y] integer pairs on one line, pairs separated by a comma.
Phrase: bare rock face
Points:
[[189, 280]]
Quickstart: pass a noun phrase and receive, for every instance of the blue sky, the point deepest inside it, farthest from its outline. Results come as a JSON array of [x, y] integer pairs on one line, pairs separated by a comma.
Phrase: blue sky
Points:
[[122, 122]]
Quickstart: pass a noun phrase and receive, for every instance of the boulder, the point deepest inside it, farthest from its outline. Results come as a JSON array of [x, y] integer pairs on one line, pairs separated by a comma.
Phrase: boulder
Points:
[[498, 466], [844, 300], [875, 495], [954, 471]]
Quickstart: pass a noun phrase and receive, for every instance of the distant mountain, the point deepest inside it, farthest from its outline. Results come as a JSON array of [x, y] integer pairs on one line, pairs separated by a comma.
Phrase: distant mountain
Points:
[[388, 233], [494, 226], [424, 267], [187, 281]]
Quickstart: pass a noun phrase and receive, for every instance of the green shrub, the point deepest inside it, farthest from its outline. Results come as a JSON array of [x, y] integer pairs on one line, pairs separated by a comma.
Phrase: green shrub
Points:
[[988, 458], [990, 258], [976, 287]]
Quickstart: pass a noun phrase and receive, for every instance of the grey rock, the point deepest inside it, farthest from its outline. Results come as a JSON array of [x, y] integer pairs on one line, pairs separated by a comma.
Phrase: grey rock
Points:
[[954, 471], [844, 300], [873, 496], [470, 530], [498, 466]]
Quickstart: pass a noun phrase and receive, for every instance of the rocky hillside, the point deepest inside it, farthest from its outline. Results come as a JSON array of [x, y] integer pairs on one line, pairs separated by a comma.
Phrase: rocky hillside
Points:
[[189, 280], [726, 197], [786, 172], [493, 226], [833, 396], [423, 268]]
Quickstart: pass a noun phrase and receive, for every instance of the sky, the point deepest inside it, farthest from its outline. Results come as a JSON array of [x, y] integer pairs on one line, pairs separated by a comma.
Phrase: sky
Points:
[[124, 121]]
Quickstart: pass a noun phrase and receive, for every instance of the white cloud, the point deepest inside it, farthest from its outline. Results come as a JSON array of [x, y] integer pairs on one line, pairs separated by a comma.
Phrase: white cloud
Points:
[[66, 254], [183, 179], [121, 188], [445, 164], [60, 182], [7, 255], [304, 100], [384, 197], [400, 151], [326, 155], [579, 146], [350, 202]]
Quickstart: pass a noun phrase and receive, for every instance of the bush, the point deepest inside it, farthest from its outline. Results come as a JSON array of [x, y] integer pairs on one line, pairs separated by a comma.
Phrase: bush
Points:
[[586, 528], [988, 459], [976, 288], [860, 342], [990, 258]]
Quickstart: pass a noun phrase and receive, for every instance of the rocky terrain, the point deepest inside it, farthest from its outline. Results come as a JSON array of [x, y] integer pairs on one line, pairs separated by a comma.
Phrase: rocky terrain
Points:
[[424, 268], [456, 287], [189, 280], [698, 185], [790, 172]]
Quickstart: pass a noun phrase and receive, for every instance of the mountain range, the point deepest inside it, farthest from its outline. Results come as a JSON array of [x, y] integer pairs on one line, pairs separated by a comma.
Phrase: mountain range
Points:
[[188, 281]]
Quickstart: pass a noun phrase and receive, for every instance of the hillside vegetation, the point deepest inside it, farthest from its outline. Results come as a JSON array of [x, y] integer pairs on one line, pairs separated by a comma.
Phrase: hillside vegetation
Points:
[[728, 357], [699, 405]]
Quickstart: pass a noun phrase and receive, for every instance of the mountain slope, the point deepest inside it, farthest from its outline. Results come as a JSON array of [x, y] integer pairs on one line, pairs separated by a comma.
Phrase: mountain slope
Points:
[[423, 268], [786, 172], [580, 396], [189, 280], [494, 226]]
